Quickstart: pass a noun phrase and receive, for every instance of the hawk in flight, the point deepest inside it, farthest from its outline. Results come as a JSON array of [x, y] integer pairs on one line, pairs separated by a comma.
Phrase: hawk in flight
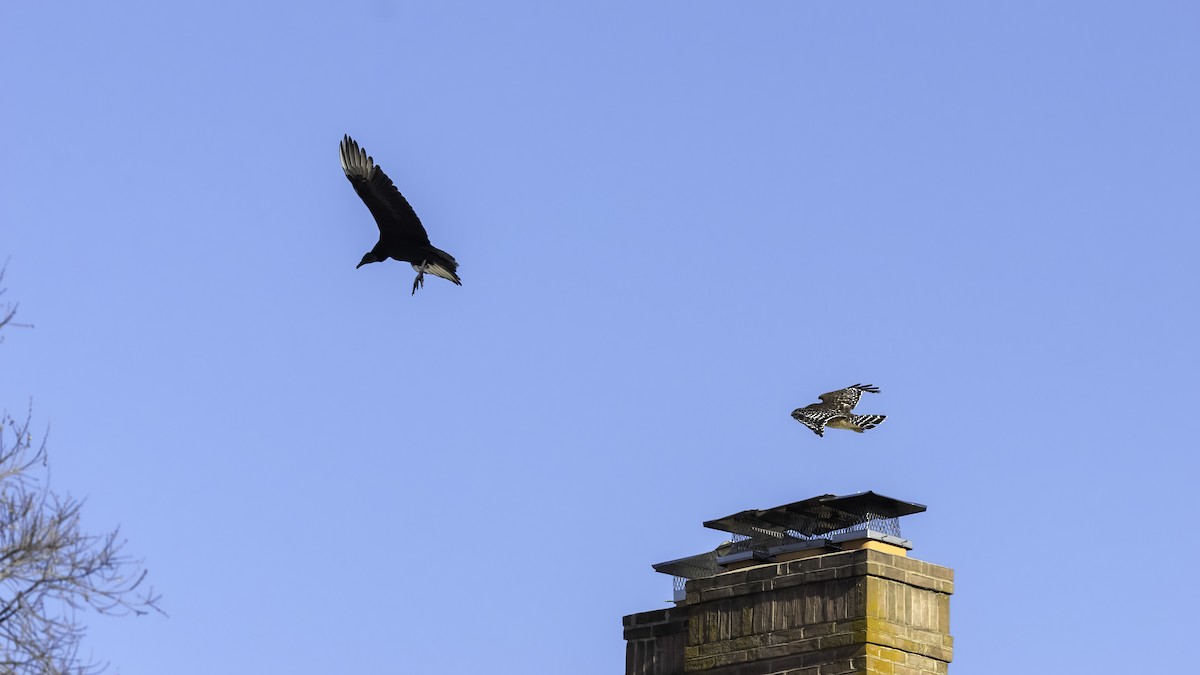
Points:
[[834, 411]]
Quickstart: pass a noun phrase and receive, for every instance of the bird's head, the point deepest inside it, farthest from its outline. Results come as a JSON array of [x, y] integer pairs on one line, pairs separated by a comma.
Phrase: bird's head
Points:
[[370, 257]]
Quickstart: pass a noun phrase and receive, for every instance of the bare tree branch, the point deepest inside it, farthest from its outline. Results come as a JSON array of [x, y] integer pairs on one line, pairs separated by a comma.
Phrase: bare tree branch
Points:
[[50, 569], [8, 310]]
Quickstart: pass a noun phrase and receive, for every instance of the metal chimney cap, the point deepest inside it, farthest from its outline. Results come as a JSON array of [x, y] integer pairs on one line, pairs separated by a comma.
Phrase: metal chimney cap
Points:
[[873, 502], [815, 516]]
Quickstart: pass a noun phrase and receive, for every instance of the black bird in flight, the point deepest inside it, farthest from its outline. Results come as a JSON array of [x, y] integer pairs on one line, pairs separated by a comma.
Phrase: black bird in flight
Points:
[[401, 235]]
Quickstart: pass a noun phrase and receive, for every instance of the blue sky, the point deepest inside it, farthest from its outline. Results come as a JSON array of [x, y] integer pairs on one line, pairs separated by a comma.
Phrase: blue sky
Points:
[[676, 221]]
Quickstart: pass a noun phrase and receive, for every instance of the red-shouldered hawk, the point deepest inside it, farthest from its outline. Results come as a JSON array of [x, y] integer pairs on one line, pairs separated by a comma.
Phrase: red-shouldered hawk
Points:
[[834, 411]]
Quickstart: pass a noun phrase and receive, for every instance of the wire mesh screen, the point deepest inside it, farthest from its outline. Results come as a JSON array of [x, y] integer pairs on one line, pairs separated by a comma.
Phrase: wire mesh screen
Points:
[[875, 522], [698, 566]]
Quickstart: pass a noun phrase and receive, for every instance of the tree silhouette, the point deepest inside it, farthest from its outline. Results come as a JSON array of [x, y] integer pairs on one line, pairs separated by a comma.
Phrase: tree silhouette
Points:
[[50, 569]]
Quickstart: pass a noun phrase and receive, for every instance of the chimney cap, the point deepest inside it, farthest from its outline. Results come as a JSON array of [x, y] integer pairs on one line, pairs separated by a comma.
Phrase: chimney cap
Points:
[[825, 521], [816, 515], [697, 566]]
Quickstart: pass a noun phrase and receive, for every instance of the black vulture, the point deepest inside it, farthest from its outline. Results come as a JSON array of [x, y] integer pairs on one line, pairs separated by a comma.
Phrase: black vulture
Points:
[[401, 235]]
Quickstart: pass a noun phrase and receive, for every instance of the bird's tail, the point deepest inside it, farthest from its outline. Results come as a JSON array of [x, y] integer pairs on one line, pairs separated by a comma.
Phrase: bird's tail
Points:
[[442, 264], [864, 422]]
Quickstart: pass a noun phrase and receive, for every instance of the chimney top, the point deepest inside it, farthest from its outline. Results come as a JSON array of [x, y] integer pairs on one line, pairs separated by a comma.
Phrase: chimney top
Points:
[[816, 515], [811, 526]]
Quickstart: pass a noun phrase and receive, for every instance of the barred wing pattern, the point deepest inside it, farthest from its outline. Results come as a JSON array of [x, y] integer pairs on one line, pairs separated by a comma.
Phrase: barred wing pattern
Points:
[[834, 411]]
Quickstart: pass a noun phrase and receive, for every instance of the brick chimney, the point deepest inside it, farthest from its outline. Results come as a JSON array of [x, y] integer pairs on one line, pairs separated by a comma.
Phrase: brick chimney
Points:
[[823, 586]]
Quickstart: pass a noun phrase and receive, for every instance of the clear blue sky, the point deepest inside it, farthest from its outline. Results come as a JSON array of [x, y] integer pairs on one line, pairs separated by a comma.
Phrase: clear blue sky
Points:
[[676, 222]]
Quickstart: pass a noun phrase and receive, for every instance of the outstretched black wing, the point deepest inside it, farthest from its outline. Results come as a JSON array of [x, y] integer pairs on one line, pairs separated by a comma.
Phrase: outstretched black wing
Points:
[[396, 219]]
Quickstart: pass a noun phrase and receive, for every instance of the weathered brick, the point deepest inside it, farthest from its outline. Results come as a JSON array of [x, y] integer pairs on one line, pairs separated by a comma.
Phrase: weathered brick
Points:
[[639, 633], [817, 576], [748, 588], [820, 615], [761, 573], [711, 594], [819, 629], [881, 667]]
